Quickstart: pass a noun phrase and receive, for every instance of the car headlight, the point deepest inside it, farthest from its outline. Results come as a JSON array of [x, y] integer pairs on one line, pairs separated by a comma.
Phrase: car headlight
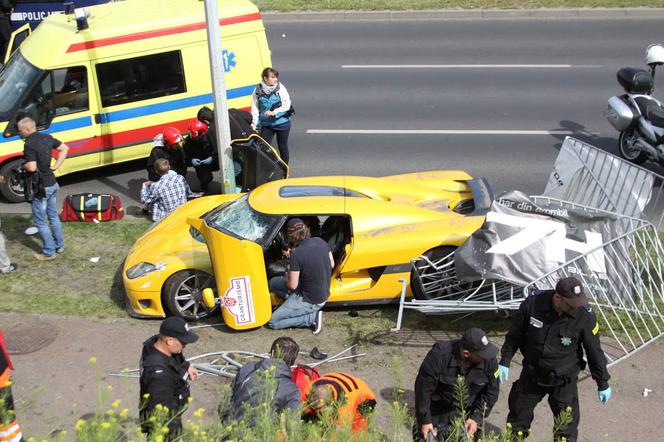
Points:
[[140, 269]]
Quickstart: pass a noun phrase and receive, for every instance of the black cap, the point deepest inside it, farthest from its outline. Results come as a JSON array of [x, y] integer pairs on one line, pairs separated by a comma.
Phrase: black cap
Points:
[[175, 327], [294, 224], [475, 341], [572, 290]]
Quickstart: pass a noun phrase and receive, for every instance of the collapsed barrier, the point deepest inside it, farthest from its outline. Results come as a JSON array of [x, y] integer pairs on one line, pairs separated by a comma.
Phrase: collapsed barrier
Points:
[[227, 363], [623, 274]]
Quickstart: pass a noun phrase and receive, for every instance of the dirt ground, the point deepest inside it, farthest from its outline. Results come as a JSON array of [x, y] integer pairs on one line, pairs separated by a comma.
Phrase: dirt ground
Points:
[[55, 384]]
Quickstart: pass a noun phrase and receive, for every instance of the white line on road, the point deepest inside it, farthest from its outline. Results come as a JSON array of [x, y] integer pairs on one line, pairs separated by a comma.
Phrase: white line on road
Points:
[[469, 66], [443, 132]]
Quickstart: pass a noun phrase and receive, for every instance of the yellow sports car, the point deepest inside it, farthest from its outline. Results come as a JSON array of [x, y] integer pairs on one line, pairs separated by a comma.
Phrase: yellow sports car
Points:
[[374, 227]]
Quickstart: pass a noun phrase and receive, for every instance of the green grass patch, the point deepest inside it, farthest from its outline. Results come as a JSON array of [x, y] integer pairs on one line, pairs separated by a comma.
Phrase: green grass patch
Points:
[[404, 5], [70, 284]]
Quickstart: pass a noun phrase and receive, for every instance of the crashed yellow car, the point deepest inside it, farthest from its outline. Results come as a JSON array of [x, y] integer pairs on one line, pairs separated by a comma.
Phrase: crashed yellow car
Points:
[[374, 227]]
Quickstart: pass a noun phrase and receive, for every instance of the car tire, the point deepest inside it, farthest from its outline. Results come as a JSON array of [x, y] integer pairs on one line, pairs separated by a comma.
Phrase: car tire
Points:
[[12, 188], [183, 294], [438, 288]]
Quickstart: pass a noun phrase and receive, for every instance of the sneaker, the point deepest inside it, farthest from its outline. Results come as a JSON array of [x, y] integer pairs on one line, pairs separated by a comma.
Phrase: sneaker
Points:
[[318, 322], [12, 266], [42, 257], [60, 250]]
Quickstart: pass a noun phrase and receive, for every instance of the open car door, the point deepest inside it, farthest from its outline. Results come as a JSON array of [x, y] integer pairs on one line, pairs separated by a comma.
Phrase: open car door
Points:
[[260, 163], [240, 277], [16, 39]]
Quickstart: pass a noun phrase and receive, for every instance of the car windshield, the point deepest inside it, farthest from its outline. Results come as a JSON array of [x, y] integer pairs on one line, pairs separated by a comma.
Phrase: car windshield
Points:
[[15, 79], [239, 219]]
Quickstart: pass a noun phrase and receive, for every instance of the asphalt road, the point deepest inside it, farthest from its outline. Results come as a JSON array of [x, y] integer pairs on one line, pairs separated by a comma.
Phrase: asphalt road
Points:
[[560, 74]]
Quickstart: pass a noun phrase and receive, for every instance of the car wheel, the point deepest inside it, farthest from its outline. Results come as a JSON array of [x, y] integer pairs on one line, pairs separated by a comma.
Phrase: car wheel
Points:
[[428, 283], [627, 151], [12, 187], [183, 294]]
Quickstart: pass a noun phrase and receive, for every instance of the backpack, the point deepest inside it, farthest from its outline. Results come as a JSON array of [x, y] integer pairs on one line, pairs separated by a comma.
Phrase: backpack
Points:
[[303, 376], [92, 207]]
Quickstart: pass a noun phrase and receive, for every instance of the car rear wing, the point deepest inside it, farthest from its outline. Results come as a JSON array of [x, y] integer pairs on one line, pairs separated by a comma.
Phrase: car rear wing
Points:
[[482, 195]]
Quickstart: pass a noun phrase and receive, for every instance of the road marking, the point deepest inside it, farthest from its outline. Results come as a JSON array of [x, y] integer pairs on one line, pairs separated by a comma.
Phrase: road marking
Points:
[[444, 132], [469, 66]]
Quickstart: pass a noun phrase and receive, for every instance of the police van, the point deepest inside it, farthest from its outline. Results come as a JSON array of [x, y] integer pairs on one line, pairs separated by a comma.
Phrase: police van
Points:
[[32, 12], [106, 90]]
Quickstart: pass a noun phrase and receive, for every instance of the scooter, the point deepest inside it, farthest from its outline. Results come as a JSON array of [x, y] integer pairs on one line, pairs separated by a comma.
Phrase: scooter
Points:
[[637, 115]]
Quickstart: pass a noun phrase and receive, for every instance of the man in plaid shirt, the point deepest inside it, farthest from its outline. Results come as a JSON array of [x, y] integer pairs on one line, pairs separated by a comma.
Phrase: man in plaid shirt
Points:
[[167, 194]]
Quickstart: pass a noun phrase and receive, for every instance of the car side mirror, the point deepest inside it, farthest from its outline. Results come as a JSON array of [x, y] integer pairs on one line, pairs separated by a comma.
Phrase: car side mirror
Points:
[[208, 298]]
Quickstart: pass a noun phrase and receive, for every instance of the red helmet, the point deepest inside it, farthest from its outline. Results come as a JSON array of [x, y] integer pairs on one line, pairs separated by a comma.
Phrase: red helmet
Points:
[[197, 128], [172, 136]]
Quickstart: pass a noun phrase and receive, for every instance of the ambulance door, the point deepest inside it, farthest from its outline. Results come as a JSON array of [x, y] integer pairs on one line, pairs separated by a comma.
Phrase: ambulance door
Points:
[[60, 105]]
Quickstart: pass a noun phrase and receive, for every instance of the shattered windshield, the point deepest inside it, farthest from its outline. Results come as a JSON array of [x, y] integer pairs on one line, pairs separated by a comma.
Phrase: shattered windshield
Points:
[[15, 79], [239, 219]]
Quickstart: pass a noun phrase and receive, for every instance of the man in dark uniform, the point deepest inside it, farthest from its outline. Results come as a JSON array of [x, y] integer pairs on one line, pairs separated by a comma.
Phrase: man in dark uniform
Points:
[[6, 8], [165, 374], [167, 145], [199, 153], [552, 329], [473, 357]]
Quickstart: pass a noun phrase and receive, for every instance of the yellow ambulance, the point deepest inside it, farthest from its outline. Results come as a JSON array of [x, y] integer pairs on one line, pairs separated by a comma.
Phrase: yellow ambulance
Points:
[[107, 90]]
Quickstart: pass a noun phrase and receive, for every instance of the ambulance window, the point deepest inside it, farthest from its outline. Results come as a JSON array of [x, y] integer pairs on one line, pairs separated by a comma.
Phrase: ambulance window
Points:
[[39, 104], [141, 78], [71, 90]]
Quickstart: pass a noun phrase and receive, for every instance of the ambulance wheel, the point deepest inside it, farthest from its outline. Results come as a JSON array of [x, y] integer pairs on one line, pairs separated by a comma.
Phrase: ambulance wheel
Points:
[[428, 283], [627, 151], [12, 187], [183, 294]]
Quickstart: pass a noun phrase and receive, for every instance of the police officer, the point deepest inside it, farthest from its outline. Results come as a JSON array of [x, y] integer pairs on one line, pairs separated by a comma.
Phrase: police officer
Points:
[[552, 329], [165, 375], [473, 357]]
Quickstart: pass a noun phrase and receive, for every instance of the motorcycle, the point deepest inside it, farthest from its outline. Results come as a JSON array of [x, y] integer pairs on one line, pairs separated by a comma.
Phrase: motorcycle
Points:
[[637, 115]]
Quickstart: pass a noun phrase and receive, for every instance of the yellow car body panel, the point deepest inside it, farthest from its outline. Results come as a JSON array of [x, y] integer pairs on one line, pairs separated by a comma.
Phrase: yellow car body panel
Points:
[[246, 300], [390, 221]]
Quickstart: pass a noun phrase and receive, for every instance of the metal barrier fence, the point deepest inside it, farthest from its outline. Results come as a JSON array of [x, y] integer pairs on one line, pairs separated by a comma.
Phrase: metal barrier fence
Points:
[[591, 177], [628, 299]]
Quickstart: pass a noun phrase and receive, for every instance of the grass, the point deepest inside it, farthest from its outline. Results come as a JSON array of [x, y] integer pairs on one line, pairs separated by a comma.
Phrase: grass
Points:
[[70, 284], [401, 5]]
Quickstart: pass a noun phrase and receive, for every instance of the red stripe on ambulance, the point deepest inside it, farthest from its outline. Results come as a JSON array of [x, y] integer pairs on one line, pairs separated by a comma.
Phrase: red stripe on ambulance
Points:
[[158, 33]]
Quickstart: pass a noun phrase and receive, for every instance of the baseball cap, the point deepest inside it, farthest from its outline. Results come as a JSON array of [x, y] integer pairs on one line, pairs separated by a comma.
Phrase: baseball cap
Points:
[[475, 341], [175, 327], [294, 224], [571, 289]]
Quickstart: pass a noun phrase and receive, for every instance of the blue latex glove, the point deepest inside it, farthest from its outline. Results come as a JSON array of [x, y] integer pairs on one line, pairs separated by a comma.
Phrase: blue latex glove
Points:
[[207, 161], [195, 162], [604, 395], [504, 373]]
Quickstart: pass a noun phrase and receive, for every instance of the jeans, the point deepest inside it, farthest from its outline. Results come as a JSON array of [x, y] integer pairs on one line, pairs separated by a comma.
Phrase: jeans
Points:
[[5, 263], [282, 131], [45, 211], [295, 311]]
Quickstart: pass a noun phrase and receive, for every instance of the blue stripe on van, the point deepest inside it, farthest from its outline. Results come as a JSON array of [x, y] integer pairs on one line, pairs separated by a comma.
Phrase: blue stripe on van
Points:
[[140, 111], [168, 106], [60, 126]]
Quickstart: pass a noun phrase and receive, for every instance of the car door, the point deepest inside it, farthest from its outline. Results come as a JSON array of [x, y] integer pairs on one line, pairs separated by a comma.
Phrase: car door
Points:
[[240, 277], [258, 163]]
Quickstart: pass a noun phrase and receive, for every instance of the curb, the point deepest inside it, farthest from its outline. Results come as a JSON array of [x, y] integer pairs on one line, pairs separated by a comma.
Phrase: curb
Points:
[[452, 14]]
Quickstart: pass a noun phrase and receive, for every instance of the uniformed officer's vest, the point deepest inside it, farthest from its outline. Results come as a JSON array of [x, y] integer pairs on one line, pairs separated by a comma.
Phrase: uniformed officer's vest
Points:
[[356, 396]]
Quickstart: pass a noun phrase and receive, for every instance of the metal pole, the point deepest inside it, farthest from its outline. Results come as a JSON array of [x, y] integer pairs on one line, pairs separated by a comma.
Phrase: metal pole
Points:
[[221, 122]]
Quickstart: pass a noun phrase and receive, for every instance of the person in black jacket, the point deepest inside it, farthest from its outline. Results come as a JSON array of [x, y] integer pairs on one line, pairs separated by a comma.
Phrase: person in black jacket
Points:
[[199, 153], [249, 386], [6, 8], [552, 328], [473, 357], [168, 145], [165, 375]]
